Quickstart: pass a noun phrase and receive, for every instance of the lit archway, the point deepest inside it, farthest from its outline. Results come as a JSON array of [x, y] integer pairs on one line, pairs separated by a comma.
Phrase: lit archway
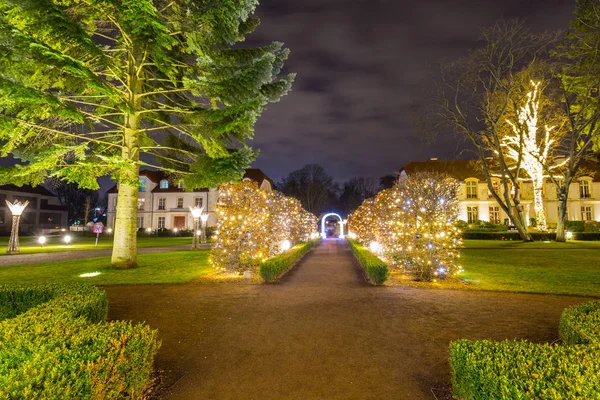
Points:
[[323, 234]]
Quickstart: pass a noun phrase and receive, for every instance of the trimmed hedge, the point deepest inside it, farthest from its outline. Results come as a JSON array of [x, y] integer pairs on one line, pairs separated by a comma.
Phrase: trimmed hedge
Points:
[[522, 370], [272, 268], [376, 270], [55, 343], [536, 235]]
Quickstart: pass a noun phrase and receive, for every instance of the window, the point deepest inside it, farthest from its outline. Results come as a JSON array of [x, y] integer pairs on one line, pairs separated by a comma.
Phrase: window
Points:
[[495, 214], [180, 202], [496, 187], [140, 222], [586, 213], [141, 204], [181, 185], [471, 189], [142, 187], [162, 203], [198, 202], [472, 214], [161, 222], [584, 189], [164, 184]]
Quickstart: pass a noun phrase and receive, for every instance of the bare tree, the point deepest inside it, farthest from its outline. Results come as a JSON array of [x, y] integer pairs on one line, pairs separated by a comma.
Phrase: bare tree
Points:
[[311, 185], [476, 94]]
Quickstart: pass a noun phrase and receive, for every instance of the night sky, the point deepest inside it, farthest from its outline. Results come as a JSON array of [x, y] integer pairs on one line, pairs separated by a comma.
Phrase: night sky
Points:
[[362, 66]]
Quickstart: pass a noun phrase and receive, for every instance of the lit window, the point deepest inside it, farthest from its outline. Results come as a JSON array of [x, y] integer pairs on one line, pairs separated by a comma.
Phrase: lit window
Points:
[[142, 187], [584, 189], [141, 204], [471, 189], [161, 222], [472, 214], [164, 184], [495, 214], [180, 202], [198, 202], [586, 213], [162, 203]]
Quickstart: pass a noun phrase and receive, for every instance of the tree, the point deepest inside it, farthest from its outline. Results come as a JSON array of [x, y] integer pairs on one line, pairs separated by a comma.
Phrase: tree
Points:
[[79, 202], [88, 87], [355, 191], [388, 181], [312, 186], [475, 97], [578, 76]]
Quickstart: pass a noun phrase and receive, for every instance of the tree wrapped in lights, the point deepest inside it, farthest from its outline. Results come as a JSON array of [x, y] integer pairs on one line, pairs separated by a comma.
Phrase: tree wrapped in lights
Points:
[[253, 225], [412, 225], [242, 230], [532, 148]]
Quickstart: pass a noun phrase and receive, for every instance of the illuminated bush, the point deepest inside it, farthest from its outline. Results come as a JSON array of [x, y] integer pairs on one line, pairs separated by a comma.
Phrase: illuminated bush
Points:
[[411, 226], [253, 225]]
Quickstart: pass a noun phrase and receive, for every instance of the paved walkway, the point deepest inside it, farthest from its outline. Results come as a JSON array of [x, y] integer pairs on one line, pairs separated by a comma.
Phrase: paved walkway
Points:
[[323, 333], [79, 254]]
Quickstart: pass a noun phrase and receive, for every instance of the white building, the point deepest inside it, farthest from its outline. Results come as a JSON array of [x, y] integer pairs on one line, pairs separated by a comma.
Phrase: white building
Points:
[[477, 203], [43, 214], [163, 205]]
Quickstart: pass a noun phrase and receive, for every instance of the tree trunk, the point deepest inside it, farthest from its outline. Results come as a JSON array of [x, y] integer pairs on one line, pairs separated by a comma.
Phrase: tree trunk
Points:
[[124, 253], [538, 204], [561, 234]]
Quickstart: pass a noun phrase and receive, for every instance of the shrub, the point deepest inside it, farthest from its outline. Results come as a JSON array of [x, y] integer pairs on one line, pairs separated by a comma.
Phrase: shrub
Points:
[[586, 235], [271, 269], [575, 226], [375, 269], [591, 227], [507, 235], [522, 370], [55, 343]]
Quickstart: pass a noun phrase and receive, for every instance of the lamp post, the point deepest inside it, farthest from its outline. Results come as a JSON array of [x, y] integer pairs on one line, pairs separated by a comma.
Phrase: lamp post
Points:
[[204, 218], [196, 213], [16, 209]]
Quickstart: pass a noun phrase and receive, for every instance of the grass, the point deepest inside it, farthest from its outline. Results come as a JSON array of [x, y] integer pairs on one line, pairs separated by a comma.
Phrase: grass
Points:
[[29, 244], [570, 268], [169, 267]]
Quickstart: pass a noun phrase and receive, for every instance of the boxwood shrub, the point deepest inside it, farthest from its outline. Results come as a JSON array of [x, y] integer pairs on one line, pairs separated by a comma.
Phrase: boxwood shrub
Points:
[[376, 270], [522, 370], [272, 268], [56, 344]]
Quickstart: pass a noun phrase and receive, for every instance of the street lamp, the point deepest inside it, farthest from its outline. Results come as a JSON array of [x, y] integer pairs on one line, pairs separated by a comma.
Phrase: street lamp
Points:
[[204, 218], [196, 213], [16, 209]]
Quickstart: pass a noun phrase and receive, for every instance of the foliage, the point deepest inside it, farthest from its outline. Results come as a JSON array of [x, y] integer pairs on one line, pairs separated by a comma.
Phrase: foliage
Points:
[[376, 270], [499, 235], [481, 226], [79, 202], [413, 225], [311, 185], [253, 224], [575, 226], [355, 192], [57, 345], [524, 370], [272, 268]]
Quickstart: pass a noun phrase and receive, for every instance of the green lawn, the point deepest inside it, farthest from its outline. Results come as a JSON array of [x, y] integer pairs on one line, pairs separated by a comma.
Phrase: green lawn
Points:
[[171, 267], [515, 244], [30, 244]]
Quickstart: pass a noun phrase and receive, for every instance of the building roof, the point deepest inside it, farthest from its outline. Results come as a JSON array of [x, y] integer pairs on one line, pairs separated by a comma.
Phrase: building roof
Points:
[[464, 169], [28, 189], [156, 176], [459, 169]]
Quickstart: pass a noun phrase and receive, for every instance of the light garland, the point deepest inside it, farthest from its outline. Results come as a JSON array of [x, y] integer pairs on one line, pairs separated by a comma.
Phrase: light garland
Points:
[[253, 225], [412, 226]]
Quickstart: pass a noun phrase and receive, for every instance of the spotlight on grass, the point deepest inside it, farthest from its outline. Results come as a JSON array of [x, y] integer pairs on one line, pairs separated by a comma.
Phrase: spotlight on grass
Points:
[[89, 274]]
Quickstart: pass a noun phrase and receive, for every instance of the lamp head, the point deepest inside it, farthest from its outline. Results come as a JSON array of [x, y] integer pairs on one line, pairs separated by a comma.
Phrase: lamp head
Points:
[[196, 211], [17, 207]]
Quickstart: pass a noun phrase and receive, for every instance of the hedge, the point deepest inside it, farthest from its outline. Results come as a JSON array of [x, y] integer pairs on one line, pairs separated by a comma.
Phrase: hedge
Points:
[[55, 343], [272, 268], [510, 369], [535, 235], [376, 270]]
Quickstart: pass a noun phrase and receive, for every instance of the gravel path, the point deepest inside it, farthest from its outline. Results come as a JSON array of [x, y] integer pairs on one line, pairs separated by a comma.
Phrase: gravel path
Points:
[[79, 254], [323, 333]]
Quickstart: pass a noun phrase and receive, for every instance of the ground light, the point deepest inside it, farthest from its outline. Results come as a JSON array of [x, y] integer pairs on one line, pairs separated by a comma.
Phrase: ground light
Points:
[[569, 235], [89, 274], [285, 245], [42, 240], [67, 239]]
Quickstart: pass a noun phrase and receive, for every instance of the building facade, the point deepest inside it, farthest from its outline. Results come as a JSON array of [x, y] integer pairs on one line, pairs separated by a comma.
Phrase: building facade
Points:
[[165, 205], [44, 213], [477, 203]]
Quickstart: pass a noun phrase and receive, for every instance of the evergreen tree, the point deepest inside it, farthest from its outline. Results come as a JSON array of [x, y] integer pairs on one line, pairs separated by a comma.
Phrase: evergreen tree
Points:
[[88, 86]]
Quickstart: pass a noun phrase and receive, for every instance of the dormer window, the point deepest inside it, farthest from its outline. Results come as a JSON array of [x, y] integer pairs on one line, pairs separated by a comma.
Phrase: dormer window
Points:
[[164, 184], [181, 185], [471, 189]]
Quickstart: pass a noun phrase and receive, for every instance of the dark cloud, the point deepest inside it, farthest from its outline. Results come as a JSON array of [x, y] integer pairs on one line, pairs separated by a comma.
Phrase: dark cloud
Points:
[[362, 66]]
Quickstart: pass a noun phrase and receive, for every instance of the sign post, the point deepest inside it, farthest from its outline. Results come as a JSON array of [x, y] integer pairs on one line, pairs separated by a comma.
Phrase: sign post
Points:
[[97, 230]]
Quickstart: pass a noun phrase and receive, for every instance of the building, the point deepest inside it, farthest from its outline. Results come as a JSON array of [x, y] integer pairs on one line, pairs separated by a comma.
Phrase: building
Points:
[[477, 203], [164, 205], [44, 213]]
